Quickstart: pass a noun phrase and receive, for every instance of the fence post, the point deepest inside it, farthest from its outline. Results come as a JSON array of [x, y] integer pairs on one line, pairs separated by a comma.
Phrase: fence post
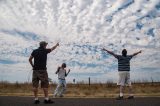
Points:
[[74, 81], [89, 80]]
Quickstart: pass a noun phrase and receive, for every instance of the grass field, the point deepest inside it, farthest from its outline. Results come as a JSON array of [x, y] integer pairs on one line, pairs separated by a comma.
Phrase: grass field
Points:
[[82, 90]]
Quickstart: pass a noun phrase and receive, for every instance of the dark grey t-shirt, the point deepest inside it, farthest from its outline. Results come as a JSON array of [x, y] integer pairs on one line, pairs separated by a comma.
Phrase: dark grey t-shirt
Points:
[[40, 58]]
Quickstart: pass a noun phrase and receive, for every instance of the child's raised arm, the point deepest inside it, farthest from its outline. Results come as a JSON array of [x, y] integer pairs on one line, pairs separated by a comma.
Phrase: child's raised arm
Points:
[[66, 74], [57, 70]]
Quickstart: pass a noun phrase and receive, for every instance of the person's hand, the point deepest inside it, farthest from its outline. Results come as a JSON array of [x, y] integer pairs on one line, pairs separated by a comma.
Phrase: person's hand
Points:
[[57, 44], [140, 51], [69, 70], [104, 49]]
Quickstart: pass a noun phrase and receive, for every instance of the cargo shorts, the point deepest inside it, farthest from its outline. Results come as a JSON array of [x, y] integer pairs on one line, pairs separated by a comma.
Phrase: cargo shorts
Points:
[[124, 78], [40, 76]]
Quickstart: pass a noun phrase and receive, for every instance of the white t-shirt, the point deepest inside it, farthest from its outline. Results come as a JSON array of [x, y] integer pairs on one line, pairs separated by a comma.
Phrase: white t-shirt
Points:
[[61, 73]]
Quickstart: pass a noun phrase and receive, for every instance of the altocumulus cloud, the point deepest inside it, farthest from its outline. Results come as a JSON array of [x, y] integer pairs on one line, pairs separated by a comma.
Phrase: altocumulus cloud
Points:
[[82, 27]]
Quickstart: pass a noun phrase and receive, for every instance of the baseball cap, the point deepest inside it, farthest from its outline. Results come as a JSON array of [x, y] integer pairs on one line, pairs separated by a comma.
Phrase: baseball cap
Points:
[[43, 43]]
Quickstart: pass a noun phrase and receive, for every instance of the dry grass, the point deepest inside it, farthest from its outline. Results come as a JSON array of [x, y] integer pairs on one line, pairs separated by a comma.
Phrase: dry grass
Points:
[[81, 89]]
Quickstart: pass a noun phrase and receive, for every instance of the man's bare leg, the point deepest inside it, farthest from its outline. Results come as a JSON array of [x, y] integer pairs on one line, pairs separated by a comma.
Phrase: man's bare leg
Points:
[[46, 93], [121, 89], [130, 93], [35, 91], [47, 100]]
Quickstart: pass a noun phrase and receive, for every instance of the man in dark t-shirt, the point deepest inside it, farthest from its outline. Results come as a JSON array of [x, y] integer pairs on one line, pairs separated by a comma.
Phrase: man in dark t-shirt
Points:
[[124, 71], [40, 70], [40, 58]]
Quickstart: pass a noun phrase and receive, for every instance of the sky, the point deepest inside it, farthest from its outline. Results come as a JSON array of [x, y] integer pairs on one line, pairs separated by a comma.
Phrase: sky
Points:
[[82, 28]]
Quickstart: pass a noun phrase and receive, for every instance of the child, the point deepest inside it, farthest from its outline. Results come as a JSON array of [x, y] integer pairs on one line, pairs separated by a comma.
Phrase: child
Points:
[[61, 71]]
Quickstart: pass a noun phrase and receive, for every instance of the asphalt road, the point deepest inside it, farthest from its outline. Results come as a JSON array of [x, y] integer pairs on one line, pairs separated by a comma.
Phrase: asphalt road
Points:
[[28, 101]]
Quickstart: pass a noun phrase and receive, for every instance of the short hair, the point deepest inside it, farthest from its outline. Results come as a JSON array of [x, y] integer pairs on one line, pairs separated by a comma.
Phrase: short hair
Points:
[[124, 52], [64, 65], [43, 43]]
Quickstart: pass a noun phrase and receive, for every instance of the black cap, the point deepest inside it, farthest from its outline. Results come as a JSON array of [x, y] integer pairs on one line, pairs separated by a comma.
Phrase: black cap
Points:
[[43, 43]]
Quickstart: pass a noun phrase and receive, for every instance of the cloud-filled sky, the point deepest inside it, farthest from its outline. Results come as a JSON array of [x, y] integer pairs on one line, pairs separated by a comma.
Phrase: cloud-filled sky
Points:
[[82, 27]]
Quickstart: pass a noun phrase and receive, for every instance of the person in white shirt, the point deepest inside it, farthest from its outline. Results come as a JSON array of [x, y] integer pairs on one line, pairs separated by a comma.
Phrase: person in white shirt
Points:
[[61, 87]]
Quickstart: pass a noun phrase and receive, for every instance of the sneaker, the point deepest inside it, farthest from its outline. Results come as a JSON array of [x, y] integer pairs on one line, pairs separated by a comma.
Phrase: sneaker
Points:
[[119, 98], [130, 97], [48, 101], [36, 101]]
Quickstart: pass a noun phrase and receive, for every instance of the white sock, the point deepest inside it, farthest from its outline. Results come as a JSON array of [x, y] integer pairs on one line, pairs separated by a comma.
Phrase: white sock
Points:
[[35, 98], [121, 94], [46, 98]]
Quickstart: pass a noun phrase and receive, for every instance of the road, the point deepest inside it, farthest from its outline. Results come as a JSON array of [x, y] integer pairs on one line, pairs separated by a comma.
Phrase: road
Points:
[[28, 101]]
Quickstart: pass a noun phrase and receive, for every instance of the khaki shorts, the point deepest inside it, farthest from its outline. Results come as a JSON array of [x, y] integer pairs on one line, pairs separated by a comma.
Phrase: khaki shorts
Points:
[[40, 75], [124, 78]]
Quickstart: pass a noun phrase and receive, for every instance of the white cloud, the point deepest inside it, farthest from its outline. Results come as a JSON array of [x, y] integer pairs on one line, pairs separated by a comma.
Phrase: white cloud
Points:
[[82, 27]]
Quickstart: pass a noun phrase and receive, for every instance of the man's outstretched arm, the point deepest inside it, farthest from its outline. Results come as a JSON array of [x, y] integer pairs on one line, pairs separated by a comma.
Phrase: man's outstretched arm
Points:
[[110, 52], [137, 53], [30, 60], [54, 47]]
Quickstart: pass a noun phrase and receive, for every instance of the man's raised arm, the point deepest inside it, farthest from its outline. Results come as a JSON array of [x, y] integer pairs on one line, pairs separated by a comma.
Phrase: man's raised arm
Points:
[[54, 47], [137, 53], [110, 52]]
